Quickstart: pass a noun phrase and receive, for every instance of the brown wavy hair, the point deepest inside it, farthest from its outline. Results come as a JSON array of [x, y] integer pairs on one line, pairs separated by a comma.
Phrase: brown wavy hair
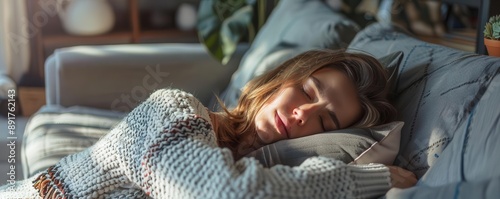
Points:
[[367, 74]]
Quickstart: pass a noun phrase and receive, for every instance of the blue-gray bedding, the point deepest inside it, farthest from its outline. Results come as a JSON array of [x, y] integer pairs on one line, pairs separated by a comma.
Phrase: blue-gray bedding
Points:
[[449, 101]]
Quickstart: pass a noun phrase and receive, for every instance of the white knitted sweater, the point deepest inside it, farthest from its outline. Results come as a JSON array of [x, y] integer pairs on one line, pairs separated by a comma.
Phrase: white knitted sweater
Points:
[[166, 148]]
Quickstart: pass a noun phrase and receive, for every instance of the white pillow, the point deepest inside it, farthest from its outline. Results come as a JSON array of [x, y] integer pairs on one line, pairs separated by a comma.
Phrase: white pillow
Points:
[[385, 150]]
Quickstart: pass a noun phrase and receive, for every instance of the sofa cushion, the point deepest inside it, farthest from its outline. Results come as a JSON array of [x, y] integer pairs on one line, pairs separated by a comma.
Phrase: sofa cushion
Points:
[[437, 88], [391, 62], [290, 26], [473, 151], [55, 132], [378, 144]]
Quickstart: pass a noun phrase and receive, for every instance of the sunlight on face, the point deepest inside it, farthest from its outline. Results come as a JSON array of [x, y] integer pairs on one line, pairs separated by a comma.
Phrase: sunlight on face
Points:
[[326, 101]]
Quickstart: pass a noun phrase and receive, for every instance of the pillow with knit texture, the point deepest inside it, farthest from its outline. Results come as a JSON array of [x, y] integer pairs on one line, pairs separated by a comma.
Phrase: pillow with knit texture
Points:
[[379, 144]]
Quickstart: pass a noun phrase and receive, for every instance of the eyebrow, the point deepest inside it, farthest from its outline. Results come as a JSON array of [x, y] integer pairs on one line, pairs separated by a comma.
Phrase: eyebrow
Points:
[[321, 89]]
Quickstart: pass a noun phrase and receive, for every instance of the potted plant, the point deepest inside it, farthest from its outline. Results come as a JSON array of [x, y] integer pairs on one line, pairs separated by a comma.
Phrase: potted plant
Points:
[[492, 36], [222, 24]]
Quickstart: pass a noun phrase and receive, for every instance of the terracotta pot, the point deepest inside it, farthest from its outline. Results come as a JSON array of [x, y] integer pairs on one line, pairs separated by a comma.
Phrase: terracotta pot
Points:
[[493, 47]]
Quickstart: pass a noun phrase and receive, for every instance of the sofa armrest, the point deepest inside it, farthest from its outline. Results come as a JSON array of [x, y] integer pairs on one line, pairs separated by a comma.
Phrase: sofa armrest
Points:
[[118, 77]]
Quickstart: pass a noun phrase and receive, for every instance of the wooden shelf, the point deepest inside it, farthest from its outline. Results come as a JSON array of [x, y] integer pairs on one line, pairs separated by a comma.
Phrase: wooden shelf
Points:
[[68, 40], [146, 36], [128, 30], [464, 40], [168, 36], [469, 47], [486, 9]]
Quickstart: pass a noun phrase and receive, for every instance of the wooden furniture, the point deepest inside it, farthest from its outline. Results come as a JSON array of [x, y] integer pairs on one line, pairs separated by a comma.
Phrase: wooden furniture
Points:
[[486, 8], [47, 33]]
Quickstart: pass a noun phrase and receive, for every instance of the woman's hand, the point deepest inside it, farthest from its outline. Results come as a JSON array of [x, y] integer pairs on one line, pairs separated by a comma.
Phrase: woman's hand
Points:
[[401, 178]]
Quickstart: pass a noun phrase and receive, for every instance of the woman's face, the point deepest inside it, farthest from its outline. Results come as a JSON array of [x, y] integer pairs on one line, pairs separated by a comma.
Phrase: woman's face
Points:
[[326, 101]]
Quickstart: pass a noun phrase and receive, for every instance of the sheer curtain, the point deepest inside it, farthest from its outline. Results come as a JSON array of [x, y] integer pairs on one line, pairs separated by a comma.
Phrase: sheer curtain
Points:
[[14, 42]]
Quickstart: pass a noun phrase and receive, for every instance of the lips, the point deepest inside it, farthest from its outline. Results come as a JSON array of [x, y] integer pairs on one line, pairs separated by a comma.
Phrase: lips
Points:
[[280, 125]]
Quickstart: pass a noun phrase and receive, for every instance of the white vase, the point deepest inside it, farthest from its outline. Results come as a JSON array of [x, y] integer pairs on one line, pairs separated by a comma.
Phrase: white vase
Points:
[[186, 17], [86, 17]]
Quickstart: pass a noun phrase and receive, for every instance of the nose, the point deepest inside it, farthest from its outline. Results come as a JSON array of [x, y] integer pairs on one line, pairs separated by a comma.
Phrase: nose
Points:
[[306, 111]]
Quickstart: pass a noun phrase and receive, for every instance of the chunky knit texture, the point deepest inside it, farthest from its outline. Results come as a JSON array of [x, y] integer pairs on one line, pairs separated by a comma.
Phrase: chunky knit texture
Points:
[[166, 148]]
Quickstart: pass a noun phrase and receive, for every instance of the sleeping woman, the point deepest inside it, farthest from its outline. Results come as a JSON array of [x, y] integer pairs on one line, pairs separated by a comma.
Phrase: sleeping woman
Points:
[[171, 146]]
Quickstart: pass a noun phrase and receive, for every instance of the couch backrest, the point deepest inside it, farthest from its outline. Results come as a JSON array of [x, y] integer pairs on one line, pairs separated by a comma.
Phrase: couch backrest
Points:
[[118, 77]]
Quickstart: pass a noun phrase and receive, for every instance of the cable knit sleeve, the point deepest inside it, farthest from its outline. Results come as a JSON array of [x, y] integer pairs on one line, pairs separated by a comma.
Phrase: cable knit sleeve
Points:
[[166, 148]]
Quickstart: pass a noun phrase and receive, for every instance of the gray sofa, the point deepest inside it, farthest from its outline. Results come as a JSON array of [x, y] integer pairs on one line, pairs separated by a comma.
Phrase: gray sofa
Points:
[[90, 88], [448, 99]]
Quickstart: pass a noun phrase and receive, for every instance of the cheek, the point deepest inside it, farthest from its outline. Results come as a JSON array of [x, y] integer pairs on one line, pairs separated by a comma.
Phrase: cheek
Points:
[[264, 110], [261, 118], [353, 113], [263, 127], [285, 99]]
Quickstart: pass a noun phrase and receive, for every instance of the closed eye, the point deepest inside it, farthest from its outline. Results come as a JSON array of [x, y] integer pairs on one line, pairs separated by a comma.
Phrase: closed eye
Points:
[[303, 89]]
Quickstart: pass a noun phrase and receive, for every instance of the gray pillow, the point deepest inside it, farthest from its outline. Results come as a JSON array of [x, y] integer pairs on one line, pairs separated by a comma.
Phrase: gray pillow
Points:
[[378, 144], [289, 26], [391, 63], [276, 57], [437, 89]]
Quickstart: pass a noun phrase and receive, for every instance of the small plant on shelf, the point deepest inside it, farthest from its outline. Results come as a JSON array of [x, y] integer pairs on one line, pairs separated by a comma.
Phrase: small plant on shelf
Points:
[[492, 36], [492, 28]]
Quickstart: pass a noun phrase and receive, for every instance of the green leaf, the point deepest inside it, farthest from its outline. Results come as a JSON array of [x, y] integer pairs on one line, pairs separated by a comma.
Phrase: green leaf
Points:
[[487, 31], [222, 24], [496, 30], [234, 29]]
